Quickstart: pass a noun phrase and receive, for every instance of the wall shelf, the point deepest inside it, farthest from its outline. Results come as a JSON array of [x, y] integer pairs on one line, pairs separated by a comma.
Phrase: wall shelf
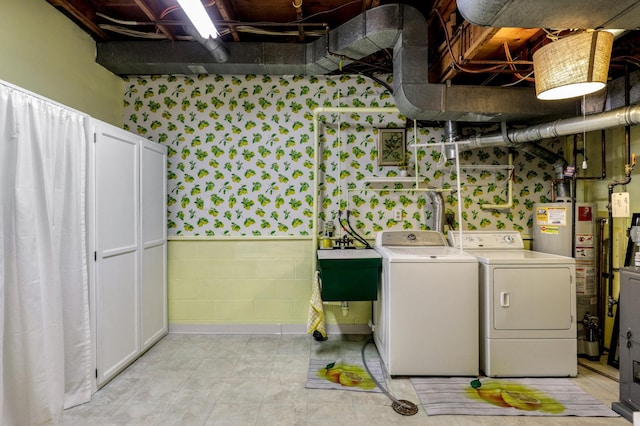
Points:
[[389, 180]]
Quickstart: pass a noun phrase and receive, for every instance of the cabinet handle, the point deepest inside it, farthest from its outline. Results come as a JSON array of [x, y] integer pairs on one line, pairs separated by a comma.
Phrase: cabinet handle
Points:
[[504, 299]]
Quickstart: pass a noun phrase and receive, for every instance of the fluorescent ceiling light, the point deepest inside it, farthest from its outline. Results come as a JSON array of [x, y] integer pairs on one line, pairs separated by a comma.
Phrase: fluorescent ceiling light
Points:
[[199, 18]]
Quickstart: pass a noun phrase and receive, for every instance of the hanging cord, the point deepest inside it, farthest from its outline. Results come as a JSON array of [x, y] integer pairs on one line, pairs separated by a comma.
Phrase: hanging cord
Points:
[[584, 132], [400, 406]]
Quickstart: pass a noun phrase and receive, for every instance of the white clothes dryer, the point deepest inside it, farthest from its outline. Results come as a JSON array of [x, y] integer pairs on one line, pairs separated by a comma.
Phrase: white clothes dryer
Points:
[[527, 306], [426, 314]]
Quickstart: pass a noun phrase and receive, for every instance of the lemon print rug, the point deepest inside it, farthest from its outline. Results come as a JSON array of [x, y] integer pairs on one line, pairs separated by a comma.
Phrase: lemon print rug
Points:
[[344, 375], [506, 397]]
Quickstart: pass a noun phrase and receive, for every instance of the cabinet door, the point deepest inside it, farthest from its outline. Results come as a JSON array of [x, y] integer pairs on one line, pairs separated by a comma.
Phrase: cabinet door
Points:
[[533, 299], [117, 255], [153, 215]]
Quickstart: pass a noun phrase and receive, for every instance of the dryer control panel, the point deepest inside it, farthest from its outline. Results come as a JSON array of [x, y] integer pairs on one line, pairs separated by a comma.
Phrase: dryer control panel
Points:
[[410, 238], [503, 240]]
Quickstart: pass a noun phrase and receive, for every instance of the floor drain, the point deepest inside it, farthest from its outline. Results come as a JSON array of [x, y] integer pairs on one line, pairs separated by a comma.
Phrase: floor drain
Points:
[[404, 407]]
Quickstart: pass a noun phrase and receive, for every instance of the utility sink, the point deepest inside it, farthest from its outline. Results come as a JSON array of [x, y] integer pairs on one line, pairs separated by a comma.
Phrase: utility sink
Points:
[[349, 274]]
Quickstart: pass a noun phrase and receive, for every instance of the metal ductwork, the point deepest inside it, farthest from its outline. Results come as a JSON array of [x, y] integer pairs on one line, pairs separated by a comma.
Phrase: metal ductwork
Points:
[[396, 26], [437, 201], [620, 14]]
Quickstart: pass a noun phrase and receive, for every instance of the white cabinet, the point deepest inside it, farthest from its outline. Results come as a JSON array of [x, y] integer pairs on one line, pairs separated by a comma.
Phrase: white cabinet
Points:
[[153, 227], [127, 238]]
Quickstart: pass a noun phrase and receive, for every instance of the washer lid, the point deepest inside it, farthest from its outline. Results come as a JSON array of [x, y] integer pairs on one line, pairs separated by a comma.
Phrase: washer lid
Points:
[[424, 254], [510, 256]]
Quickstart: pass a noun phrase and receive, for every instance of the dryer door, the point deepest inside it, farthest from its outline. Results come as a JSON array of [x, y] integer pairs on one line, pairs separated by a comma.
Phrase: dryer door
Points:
[[533, 301]]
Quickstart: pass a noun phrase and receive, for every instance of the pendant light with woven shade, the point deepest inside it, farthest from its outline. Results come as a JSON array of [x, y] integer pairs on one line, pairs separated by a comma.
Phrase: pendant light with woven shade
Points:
[[573, 66]]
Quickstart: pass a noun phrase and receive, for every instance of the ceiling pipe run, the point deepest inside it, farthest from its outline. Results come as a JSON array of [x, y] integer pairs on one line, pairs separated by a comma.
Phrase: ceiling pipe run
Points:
[[626, 116], [518, 138], [396, 26]]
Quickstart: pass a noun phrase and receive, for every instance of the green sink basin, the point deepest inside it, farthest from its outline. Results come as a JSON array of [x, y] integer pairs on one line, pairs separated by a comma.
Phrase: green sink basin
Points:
[[349, 274]]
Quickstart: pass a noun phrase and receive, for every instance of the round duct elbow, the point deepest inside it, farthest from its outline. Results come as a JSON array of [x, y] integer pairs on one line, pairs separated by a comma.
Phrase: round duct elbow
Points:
[[216, 47]]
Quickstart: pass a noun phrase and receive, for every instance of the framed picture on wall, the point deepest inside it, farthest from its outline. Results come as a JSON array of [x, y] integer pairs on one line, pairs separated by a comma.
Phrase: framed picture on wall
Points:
[[391, 146]]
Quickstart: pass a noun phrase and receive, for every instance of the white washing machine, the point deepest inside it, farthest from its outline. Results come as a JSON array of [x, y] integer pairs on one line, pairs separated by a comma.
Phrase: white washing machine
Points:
[[426, 314], [527, 306]]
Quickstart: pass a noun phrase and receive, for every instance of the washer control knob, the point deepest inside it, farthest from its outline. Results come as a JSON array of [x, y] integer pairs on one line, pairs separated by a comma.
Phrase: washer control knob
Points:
[[411, 237], [508, 239]]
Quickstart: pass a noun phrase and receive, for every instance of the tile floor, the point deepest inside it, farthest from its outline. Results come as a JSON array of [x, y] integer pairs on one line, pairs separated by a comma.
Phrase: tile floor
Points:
[[259, 380]]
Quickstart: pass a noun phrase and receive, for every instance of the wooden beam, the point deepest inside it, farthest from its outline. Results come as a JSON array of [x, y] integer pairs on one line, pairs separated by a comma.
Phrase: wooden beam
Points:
[[299, 16], [223, 8], [146, 9], [473, 43], [84, 13]]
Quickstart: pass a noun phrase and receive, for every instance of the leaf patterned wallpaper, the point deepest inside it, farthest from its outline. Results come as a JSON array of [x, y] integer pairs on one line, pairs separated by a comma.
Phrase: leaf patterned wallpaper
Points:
[[241, 154]]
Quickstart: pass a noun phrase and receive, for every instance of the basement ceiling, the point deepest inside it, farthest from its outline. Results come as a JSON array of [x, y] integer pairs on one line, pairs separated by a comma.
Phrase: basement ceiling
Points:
[[448, 52], [459, 51]]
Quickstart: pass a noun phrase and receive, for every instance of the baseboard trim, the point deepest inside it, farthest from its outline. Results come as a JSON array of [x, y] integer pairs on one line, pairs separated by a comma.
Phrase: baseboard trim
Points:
[[264, 329]]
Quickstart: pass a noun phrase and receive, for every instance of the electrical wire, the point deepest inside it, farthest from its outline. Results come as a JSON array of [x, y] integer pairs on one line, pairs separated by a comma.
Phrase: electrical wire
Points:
[[513, 83], [552, 35], [454, 61], [139, 34], [173, 8], [326, 11], [507, 52]]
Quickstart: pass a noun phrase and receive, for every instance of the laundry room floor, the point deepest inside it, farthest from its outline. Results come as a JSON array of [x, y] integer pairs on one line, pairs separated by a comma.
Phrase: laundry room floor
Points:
[[259, 380]]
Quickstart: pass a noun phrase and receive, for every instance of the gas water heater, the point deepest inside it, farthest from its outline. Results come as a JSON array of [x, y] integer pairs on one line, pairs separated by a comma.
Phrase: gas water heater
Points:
[[554, 232]]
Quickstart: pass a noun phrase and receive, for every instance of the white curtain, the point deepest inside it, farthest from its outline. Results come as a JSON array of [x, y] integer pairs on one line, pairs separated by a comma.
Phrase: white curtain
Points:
[[44, 304]]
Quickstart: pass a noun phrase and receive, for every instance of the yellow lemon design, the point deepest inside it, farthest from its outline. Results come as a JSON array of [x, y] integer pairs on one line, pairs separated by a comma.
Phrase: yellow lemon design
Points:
[[350, 379], [492, 393], [521, 401]]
